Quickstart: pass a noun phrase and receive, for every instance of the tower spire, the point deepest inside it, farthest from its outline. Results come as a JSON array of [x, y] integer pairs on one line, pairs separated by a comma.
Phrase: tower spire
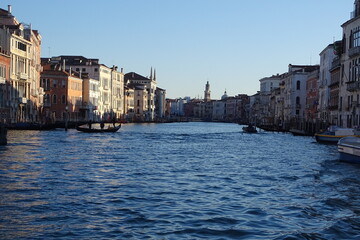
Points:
[[151, 72], [154, 74]]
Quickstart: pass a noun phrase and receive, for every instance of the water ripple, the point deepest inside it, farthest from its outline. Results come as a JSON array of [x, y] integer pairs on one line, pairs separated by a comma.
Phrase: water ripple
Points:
[[175, 181]]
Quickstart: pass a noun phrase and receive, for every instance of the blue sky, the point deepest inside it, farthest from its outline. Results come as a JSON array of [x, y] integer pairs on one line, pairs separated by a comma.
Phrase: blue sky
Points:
[[230, 43]]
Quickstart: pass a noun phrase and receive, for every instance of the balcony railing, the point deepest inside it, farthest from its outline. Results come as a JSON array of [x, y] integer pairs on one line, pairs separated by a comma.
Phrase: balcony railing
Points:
[[354, 51], [335, 63], [22, 76], [353, 86]]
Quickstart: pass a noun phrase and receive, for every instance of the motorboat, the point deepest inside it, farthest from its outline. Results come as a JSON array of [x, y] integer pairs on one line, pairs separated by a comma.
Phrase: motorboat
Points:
[[334, 133], [349, 149], [250, 129]]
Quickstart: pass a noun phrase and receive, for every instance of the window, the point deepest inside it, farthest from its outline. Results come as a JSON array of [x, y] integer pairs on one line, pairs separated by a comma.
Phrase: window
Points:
[[63, 83], [138, 103], [298, 85], [2, 71], [340, 103], [63, 99], [54, 83], [54, 99], [355, 37], [77, 69], [84, 70], [21, 46], [95, 69]]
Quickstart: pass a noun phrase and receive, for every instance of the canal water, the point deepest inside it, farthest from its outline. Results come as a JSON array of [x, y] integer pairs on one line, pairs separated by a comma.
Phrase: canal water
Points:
[[175, 181]]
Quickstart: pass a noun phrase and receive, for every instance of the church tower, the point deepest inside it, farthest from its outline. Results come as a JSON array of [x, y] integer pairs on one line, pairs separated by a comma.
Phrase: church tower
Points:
[[207, 92]]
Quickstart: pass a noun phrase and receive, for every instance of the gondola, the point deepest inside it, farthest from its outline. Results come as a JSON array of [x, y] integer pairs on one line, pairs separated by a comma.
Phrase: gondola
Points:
[[87, 129]]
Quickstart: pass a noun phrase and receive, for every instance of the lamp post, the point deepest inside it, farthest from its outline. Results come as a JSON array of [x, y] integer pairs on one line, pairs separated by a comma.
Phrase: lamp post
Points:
[[66, 117]]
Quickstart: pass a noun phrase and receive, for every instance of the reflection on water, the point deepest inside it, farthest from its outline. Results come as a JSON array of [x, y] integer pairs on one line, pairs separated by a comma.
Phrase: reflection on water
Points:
[[175, 181]]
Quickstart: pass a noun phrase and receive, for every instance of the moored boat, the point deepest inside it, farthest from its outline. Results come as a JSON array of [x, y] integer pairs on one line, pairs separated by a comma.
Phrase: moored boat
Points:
[[95, 129], [349, 149], [334, 133]]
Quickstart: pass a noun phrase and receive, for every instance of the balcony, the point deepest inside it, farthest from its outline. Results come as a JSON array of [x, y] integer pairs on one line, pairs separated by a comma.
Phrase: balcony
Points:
[[354, 51], [22, 76], [335, 63], [353, 86]]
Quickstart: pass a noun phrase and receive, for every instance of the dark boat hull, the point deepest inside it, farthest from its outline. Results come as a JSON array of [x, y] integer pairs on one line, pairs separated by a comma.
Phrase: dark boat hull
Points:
[[98, 130]]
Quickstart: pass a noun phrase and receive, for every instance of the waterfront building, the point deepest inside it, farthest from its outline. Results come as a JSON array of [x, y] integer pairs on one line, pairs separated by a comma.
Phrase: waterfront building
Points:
[[191, 109], [349, 108], [295, 92], [141, 106], [149, 86], [23, 44], [160, 103], [219, 109], [312, 97], [264, 112], [326, 58], [63, 94], [230, 109], [4, 75], [129, 105], [177, 106], [335, 73], [243, 108], [117, 92], [94, 70], [90, 96]]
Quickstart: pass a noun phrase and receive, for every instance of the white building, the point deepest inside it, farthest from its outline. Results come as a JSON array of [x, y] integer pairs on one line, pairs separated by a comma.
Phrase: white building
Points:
[[295, 91], [150, 86], [107, 78], [23, 43]]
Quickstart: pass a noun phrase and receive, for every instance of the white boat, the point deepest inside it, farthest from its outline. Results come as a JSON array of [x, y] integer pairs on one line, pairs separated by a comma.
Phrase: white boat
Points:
[[334, 133], [349, 149]]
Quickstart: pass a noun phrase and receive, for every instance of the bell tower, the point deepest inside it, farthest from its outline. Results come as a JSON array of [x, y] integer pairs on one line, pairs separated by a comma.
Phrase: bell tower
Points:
[[207, 92]]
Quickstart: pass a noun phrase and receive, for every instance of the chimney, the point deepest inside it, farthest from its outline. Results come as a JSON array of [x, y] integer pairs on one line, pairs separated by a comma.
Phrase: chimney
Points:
[[9, 9]]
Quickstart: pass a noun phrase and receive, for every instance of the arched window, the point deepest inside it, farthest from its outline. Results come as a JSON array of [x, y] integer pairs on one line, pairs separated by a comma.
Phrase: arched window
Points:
[[298, 85], [54, 99], [297, 100]]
